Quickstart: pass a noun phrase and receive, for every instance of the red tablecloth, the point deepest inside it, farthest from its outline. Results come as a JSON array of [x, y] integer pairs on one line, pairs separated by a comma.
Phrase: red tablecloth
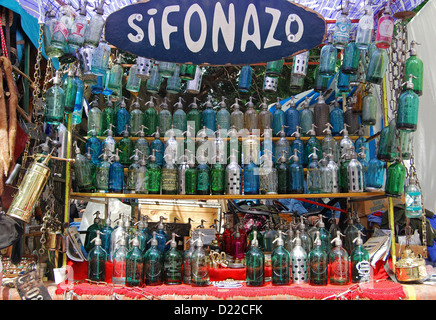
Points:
[[377, 290]]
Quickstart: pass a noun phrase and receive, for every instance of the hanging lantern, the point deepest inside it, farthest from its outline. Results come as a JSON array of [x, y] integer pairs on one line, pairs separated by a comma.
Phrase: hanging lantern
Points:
[[270, 84], [299, 67], [143, 68], [194, 86], [245, 78]]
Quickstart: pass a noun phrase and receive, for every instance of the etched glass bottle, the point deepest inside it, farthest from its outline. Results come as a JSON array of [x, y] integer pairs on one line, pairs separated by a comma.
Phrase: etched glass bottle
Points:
[[48, 28], [173, 263], [385, 29], [413, 196], [154, 174], [350, 63], [134, 265], [415, 67], [408, 107], [169, 176], [365, 29], [203, 176], [327, 60], [54, 102], [255, 264], [119, 263], [337, 118], [338, 263], [223, 116], [250, 116], [317, 264], [292, 118], [97, 258], [237, 116], [280, 263], [278, 118], [342, 30], [209, 115], [179, 116], [306, 117], [377, 66], [165, 118], [70, 88], [321, 116], [395, 179], [95, 28], [251, 177], [369, 109], [122, 120], [360, 266], [153, 264], [194, 118], [199, 264]]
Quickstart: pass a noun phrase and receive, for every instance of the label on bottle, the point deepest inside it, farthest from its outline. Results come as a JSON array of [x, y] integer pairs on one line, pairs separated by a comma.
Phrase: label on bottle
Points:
[[169, 180], [363, 270], [78, 29], [386, 28], [342, 32], [366, 22], [339, 269], [62, 28]]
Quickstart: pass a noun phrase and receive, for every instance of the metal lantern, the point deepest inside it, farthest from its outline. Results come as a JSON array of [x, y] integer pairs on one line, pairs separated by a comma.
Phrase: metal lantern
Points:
[[270, 84], [194, 86], [85, 57], [143, 68], [301, 61], [30, 190]]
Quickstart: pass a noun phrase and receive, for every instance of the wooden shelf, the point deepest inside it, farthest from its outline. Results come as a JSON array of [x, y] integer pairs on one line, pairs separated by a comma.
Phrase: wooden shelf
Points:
[[225, 196], [260, 138]]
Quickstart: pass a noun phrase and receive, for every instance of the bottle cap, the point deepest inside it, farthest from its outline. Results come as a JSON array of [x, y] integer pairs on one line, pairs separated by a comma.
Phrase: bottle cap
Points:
[[317, 241], [97, 239], [337, 240]]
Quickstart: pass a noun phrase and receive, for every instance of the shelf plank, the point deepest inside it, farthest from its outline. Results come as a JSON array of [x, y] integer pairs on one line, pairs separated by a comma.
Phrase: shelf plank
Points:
[[240, 138], [225, 196]]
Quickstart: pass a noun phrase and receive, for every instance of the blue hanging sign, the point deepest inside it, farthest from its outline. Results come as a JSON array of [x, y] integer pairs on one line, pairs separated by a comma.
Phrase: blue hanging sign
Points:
[[215, 32]]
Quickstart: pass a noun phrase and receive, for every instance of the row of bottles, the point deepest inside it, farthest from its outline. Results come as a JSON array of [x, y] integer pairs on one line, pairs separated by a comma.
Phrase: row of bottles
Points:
[[140, 257], [265, 168], [316, 256], [148, 122]]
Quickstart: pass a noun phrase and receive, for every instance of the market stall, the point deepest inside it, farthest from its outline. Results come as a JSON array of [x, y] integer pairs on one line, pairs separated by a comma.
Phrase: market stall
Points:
[[165, 150]]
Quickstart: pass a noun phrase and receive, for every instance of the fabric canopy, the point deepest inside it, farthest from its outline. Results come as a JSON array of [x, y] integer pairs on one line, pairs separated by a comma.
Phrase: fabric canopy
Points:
[[329, 9]]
